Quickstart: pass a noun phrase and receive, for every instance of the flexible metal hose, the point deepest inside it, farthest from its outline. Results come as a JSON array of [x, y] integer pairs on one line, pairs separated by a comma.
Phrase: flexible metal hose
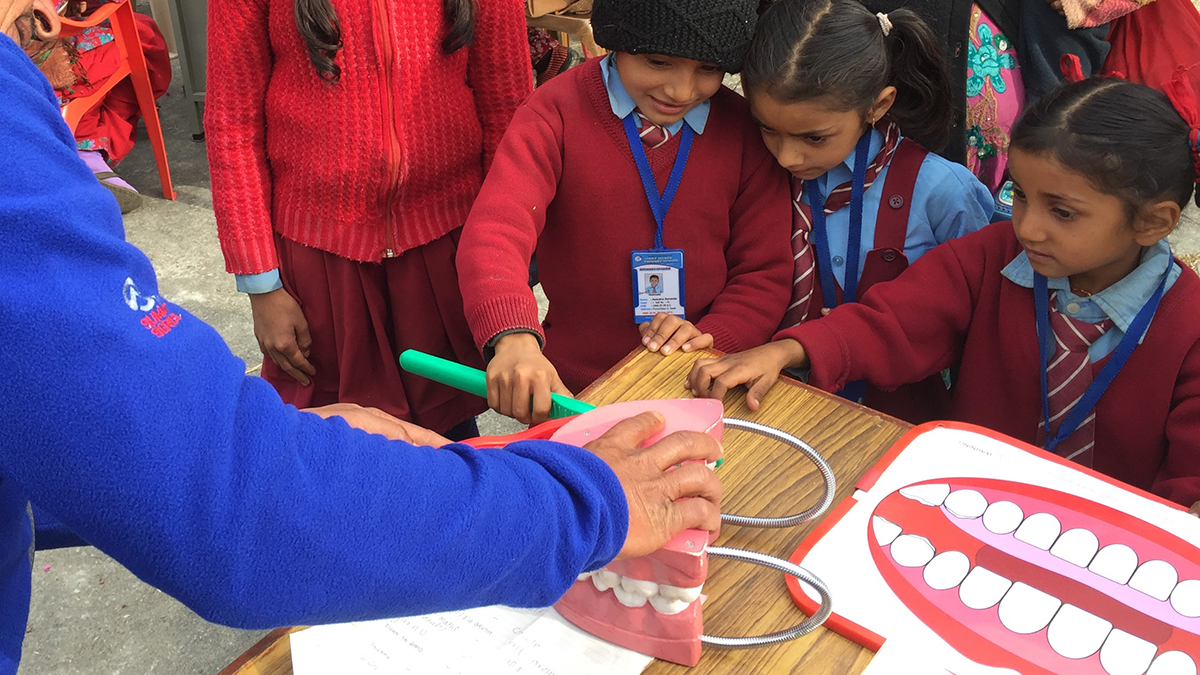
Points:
[[803, 628], [787, 439]]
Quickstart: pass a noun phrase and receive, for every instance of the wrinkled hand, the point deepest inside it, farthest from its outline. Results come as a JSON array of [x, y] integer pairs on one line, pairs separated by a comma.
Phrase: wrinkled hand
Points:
[[758, 367], [282, 333], [520, 379], [22, 20], [667, 332], [375, 421], [663, 501]]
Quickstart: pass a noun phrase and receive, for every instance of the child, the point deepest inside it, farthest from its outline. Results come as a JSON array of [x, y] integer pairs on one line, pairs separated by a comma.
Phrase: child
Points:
[[575, 177], [832, 86], [346, 147], [1102, 169]]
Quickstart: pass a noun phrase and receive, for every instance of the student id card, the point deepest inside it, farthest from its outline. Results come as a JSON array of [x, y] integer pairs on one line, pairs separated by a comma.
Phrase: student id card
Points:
[[657, 284]]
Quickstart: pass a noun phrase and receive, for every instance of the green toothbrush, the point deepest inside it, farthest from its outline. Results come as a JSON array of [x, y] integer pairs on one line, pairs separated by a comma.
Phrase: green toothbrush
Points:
[[474, 381]]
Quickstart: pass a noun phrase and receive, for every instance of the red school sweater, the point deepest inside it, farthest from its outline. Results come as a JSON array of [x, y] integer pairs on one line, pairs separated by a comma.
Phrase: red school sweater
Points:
[[954, 306], [386, 160], [564, 181]]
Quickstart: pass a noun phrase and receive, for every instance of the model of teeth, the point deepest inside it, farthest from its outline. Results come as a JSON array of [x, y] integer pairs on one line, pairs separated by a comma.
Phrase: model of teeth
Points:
[[982, 588], [1003, 517], [1040, 530], [1155, 578], [1115, 562], [1077, 546], [1026, 609], [966, 503], [885, 532], [637, 592], [932, 494], [1172, 663], [1077, 634], [947, 570], [1125, 654]]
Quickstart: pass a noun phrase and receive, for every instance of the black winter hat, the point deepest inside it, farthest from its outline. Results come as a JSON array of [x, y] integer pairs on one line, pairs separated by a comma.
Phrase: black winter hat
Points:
[[713, 31]]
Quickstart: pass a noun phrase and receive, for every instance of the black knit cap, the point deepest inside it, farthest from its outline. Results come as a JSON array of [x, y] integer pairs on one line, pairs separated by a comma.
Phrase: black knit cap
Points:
[[712, 31]]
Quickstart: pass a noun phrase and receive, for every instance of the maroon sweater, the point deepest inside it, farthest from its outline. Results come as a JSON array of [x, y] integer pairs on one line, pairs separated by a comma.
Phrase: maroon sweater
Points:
[[564, 181], [954, 306]]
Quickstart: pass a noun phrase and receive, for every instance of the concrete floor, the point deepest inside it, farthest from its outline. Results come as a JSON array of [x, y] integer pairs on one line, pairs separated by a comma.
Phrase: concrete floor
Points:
[[89, 614]]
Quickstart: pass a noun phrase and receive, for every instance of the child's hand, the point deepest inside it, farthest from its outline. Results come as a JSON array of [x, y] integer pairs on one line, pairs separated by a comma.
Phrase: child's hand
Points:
[[519, 374], [1195, 510], [282, 333], [667, 332], [758, 367]]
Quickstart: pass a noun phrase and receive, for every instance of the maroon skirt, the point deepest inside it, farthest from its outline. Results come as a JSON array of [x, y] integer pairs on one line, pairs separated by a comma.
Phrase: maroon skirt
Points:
[[362, 315]]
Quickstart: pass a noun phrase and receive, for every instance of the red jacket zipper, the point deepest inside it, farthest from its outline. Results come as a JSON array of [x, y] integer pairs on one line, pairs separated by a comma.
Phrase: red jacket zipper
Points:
[[383, 28]]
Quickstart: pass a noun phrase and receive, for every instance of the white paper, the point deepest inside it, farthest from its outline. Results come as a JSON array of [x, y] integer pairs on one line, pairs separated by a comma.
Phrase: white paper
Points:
[[495, 639], [843, 561]]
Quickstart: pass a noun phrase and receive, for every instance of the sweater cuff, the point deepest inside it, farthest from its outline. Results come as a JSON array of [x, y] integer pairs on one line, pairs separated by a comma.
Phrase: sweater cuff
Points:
[[263, 282], [489, 349], [724, 338], [829, 365], [504, 313]]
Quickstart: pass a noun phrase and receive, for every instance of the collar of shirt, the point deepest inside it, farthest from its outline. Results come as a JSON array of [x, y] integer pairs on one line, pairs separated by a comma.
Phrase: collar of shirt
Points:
[[622, 104], [1120, 302], [844, 172]]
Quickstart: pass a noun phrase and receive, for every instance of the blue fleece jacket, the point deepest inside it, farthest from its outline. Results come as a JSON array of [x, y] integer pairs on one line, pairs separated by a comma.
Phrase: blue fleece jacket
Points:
[[129, 419]]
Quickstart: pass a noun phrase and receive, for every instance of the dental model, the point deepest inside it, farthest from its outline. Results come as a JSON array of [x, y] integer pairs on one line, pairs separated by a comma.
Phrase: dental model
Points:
[[652, 604]]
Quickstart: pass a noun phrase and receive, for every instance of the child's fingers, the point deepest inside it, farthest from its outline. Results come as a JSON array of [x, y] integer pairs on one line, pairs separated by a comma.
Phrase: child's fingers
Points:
[[541, 402], [670, 324], [701, 341], [651, 327], [679, 338], [759, 389], [704, 372]]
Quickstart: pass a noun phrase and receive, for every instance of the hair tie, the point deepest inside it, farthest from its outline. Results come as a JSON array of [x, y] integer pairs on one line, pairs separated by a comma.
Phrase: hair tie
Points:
[[884, 22], [1183, 97], [1071, 68]]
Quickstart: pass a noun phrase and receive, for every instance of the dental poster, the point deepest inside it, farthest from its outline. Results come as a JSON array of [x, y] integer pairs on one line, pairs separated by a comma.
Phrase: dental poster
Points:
[[974, 553]]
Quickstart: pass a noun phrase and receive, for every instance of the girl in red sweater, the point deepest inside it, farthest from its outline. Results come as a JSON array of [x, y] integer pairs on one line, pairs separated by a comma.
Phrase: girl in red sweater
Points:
[[634, 165], [346, 146], [1073, 326]]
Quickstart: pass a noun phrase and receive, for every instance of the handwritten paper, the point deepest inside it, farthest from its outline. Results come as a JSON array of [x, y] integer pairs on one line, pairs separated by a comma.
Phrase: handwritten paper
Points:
[[500, 640]]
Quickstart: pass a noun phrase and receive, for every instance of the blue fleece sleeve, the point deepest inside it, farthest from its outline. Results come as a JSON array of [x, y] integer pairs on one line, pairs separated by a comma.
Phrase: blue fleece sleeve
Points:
[[130, 420]]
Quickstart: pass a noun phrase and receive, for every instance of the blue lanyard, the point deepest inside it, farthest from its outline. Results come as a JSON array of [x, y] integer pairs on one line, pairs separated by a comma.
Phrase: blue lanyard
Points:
[[1041, 302], [816, 201], [658, 204]]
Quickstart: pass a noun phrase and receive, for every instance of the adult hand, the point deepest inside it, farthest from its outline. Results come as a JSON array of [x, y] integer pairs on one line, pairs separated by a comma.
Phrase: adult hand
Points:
[[22, 20], [375, 421], [758, 367], [665, 496], [282, 333], [667, 332], [520, 379]]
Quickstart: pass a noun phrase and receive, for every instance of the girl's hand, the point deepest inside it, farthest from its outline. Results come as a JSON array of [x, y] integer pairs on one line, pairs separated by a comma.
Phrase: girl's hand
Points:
[[667, 332], [1195, 510], [282, 333], [520, 379], [758, 367]]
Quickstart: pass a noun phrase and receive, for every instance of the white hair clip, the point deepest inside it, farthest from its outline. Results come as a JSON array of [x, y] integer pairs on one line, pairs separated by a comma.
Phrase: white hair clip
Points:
[[884, 22]]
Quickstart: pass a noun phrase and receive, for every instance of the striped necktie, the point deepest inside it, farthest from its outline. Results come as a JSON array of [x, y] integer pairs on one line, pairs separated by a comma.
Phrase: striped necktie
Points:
[[652, 135], [1067, 377]]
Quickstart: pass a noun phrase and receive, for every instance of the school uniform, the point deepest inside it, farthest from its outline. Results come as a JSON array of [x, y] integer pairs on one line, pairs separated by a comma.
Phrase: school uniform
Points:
[[969, 302], [916, 201], [565, 183]]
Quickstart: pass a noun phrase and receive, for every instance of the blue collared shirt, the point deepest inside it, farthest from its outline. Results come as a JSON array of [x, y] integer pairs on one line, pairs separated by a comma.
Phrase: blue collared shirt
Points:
[[948, 201], [1120, 302], [622, 104]]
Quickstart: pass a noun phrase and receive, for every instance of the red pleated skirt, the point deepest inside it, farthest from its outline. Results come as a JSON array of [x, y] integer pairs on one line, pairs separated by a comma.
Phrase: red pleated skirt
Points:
[[362, 315]]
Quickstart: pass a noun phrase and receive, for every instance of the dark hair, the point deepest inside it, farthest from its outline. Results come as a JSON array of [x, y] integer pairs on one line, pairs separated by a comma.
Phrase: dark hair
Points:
[[1126, 138], [811, 49], [318, 25]]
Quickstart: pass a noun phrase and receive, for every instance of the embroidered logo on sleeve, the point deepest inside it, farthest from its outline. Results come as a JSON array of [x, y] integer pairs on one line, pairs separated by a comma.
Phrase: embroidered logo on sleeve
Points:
[[157, 319]]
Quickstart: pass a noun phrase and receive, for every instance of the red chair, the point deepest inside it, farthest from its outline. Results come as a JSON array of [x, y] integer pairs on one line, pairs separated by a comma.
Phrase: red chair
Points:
[[133, 66]]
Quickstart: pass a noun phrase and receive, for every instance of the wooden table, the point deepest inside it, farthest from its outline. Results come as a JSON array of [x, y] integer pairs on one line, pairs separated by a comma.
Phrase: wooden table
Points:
[[760, 478]]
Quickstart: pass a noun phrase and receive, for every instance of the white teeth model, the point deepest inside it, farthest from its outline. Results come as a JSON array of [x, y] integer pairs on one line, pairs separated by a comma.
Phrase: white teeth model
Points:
[[585, 575], [1172, 663], [966, 503], [1077, 634], [1027, 610], [1077, 546], [1003, 517], [982, 588], [932, 494], [1115, 562], [910, 550], [687, 595], [1125, 654], [665, 606], [629, 599], [1186, 598], [885, 530], [643, 588], [1040, 530], [947, 570], [1155, 578], [604, 580]]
